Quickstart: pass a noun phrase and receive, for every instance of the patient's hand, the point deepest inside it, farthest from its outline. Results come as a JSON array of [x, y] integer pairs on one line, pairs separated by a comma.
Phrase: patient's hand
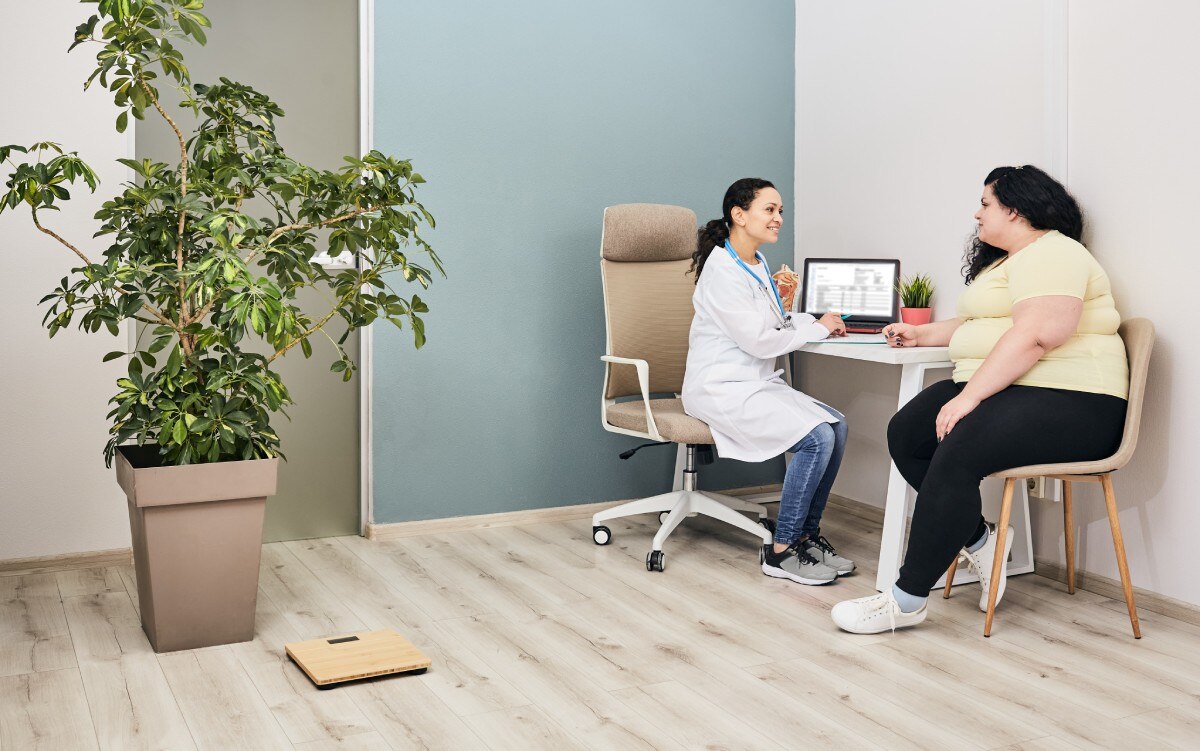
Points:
[[900, 334]]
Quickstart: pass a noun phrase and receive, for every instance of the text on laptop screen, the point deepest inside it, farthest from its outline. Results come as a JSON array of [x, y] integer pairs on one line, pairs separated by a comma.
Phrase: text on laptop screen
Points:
[[859, 288]]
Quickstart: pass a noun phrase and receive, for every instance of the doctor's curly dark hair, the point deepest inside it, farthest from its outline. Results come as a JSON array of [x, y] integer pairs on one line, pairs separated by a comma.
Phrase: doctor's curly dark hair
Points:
[[1033, 194], [715, 233]]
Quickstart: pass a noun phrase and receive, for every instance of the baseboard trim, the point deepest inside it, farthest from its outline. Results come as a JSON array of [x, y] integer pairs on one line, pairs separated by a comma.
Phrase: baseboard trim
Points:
[[858, 508], [753, 489], [398, 530], [65, 562], [1102, 585]]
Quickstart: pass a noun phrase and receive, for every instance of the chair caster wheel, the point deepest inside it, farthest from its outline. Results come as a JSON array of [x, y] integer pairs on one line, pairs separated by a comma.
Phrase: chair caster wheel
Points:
[[662, 517], [655, 560], [601, 535]]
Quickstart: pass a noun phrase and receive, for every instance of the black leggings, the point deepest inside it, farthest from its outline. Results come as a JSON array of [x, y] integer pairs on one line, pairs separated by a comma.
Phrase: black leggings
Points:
[[1018, 426]]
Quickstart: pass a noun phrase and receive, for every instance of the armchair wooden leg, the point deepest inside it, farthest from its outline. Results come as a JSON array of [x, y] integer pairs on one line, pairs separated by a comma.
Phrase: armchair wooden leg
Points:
[[998, 560], [950, 577], [1069, 536], [1110, 500]]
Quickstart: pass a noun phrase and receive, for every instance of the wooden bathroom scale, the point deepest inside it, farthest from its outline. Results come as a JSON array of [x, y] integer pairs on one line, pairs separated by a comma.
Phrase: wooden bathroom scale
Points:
[[356, 656]]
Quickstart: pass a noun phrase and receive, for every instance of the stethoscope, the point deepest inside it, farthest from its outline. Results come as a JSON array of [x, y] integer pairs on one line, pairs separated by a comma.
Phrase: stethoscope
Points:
[[777, 307]]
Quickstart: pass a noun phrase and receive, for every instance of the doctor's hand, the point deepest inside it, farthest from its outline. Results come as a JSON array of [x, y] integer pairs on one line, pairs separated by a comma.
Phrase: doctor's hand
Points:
[[953, 411], [833, 322], [900, 335]]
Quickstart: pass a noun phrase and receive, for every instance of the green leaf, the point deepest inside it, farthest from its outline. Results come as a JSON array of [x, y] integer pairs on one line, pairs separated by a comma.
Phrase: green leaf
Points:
[[112, 356], [418, 327], [225, 395]]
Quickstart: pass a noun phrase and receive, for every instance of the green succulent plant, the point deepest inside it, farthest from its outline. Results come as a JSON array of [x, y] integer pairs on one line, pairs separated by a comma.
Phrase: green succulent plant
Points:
[[208, 254], [915, 291]]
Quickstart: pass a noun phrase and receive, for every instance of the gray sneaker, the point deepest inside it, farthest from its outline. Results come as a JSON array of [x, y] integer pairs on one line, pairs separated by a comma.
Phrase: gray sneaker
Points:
[[820, 549], [795, 564]]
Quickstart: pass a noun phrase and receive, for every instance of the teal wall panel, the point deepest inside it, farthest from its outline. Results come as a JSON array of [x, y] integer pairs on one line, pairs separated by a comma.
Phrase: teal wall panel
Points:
[[528, 118]]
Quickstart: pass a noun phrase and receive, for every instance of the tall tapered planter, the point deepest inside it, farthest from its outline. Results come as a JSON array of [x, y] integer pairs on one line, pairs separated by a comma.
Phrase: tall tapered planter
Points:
[[197, 541]]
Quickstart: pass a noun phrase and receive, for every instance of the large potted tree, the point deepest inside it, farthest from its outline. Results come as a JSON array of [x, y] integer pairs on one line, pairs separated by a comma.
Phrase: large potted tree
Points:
[[206, 258]]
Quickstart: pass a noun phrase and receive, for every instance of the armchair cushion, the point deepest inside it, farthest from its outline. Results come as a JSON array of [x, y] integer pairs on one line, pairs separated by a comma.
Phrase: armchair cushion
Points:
[[673, 423]]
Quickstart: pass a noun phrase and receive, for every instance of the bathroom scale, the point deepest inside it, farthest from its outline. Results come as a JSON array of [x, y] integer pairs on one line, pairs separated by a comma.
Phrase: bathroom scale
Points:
[[353, 657]]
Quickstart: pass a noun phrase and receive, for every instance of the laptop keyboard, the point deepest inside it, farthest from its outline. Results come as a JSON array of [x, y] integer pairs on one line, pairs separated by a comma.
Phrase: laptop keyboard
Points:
[[864, 328]]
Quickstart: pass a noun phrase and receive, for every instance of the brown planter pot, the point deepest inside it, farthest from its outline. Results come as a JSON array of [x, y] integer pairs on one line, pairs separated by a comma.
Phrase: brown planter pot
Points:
[[916, 316], [197, 541]]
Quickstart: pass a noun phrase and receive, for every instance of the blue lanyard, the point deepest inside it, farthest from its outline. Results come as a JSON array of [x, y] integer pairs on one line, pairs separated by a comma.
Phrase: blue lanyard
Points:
[[778, 300]]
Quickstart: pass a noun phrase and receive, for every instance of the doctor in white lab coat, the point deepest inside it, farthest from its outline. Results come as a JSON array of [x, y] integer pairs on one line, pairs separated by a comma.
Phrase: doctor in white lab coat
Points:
[[739, 329]]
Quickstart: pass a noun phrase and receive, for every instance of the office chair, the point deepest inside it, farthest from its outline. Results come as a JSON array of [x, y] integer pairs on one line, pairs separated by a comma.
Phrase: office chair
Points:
[[645, 252], [1138, 334]]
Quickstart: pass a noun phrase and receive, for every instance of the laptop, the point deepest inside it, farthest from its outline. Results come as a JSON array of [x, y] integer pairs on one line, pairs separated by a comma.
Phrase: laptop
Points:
[[864, 288]]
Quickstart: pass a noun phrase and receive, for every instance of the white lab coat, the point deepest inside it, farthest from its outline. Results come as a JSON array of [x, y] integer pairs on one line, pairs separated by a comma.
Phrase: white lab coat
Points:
[[731, 382]]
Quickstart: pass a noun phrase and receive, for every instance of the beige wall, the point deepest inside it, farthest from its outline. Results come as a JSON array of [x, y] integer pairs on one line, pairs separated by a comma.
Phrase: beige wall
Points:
[[308, 65], [902, 108], [56, 495]]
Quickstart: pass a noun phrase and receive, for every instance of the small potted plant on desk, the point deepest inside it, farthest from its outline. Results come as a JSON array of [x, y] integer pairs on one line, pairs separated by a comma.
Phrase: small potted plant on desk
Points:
[[915, 292], [202, 278]]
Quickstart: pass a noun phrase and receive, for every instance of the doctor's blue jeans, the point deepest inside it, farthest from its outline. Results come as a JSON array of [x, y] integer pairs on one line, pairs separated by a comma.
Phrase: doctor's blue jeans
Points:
[[809, 478]]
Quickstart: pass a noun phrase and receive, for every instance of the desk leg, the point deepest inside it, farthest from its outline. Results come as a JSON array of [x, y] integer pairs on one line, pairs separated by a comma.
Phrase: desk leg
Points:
[[899, 495]]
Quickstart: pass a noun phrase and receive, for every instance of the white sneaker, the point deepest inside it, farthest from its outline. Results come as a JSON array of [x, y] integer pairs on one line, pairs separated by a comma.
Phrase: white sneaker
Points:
[[980, 562], [875, 614]]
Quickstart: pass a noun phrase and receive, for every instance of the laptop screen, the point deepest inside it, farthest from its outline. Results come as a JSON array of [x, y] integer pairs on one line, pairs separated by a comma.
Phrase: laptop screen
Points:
[[863, 288]]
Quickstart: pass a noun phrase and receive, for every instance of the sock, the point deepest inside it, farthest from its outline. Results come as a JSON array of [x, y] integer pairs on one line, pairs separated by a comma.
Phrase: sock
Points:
[[978, 543], [908, 603]]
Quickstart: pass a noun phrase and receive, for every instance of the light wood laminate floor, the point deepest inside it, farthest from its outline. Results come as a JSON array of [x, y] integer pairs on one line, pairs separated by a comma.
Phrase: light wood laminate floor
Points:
[[542, 640]]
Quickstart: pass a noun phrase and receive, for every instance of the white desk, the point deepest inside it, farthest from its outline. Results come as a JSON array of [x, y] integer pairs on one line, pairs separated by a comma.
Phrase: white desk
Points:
[[914, 363]]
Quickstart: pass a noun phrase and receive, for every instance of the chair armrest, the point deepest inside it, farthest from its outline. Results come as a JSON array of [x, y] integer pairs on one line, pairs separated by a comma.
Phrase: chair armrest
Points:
[[643, 373]]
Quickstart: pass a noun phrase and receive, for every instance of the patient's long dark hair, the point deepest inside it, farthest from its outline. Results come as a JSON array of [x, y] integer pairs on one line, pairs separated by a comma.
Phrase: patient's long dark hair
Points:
[[1033, 194], [715, 233]]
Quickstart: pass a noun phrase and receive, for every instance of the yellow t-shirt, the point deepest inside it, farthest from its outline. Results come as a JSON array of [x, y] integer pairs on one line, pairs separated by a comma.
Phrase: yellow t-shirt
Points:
[[1092, 360]]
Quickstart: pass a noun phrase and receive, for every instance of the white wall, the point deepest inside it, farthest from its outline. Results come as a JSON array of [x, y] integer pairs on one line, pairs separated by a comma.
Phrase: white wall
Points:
[[55, 493], [1134, 165], [902, 109]]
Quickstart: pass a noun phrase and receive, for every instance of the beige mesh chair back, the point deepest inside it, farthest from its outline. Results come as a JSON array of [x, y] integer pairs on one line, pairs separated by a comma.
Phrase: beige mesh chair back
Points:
[[645, 253], [1138, 335]]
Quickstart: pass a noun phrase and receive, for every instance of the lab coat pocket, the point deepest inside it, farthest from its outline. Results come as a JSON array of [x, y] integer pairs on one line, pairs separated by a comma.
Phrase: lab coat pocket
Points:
[[733, 373]]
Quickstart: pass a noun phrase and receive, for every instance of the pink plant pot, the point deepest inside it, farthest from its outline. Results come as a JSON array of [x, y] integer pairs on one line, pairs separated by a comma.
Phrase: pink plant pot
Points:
[[916, 316]]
